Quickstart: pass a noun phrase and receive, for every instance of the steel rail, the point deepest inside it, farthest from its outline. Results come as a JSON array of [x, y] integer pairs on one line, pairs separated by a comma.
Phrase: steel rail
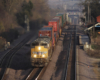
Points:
[[28, 77], [40, 74], [64, 76], [67, 59], [6, 60], [34, 73], [75, 50]]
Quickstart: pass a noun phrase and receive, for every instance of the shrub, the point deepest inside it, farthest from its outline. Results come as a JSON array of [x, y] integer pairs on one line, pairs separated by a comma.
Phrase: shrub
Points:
[[2, 28], [26, 10], [95, 35], [10, 35], [95, 46], [2, 42]]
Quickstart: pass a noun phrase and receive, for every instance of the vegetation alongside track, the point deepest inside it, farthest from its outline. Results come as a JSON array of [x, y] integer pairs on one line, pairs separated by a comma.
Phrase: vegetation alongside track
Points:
[[95, 46], [2, 40], [96, 69], [94, 50], [12, 16]]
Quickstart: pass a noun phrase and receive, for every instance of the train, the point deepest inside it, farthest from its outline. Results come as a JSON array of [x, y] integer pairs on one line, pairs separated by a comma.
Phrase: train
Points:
[[43, 47]]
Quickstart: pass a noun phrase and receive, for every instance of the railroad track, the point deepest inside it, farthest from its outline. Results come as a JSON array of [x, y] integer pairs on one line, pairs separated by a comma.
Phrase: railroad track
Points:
[[72, 41], [7, 58], [36, 73]]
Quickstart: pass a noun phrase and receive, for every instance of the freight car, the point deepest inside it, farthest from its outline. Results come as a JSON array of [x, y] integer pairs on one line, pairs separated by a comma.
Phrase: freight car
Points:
[[63, 15], [60, 23], [46, 35], [48, 31], [42, 47], [41, 51]]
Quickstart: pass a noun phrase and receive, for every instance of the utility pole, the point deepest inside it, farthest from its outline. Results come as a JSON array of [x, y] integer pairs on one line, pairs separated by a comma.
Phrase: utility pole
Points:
[[88, 12], [90, 15], [94, 25], [88, 4], [84, 15], [27, 23]]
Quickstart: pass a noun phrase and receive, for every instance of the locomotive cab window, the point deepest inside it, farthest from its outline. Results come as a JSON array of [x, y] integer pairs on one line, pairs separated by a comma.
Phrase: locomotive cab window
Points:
[[35, 44], [43, 44]]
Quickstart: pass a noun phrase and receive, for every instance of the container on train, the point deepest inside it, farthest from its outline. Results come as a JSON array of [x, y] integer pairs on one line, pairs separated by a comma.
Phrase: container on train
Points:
[[64, 16], [47, 31], [55, 24], [60, 22], [56, 36], [62, 19]]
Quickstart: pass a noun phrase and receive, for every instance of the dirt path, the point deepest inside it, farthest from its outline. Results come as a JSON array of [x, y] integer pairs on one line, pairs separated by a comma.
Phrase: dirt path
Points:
[[86, 67]]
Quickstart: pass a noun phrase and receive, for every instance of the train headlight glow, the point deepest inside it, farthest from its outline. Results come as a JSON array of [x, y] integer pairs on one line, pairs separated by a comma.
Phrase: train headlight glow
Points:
[[35, 55], [39, 48], [43, 55]]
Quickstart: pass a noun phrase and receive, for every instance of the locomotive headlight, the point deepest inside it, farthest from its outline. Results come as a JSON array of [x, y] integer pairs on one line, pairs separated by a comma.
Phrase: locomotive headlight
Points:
[[35, 55], [39, 48], [43, 55]]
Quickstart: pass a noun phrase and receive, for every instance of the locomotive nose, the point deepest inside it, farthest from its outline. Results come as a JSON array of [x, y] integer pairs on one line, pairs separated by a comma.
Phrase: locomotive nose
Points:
[[39, 52], [38, 48]]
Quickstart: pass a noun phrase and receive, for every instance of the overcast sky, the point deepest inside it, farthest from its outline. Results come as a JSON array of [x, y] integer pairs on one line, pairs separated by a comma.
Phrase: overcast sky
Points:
[[68, 3]]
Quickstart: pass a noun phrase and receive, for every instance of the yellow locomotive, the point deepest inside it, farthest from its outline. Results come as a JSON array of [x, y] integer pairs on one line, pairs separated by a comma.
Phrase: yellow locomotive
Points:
[[41, 51]]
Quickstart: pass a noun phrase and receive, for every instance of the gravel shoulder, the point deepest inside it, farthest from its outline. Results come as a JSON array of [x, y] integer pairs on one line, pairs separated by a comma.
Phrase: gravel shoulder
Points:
[[85, 64]]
